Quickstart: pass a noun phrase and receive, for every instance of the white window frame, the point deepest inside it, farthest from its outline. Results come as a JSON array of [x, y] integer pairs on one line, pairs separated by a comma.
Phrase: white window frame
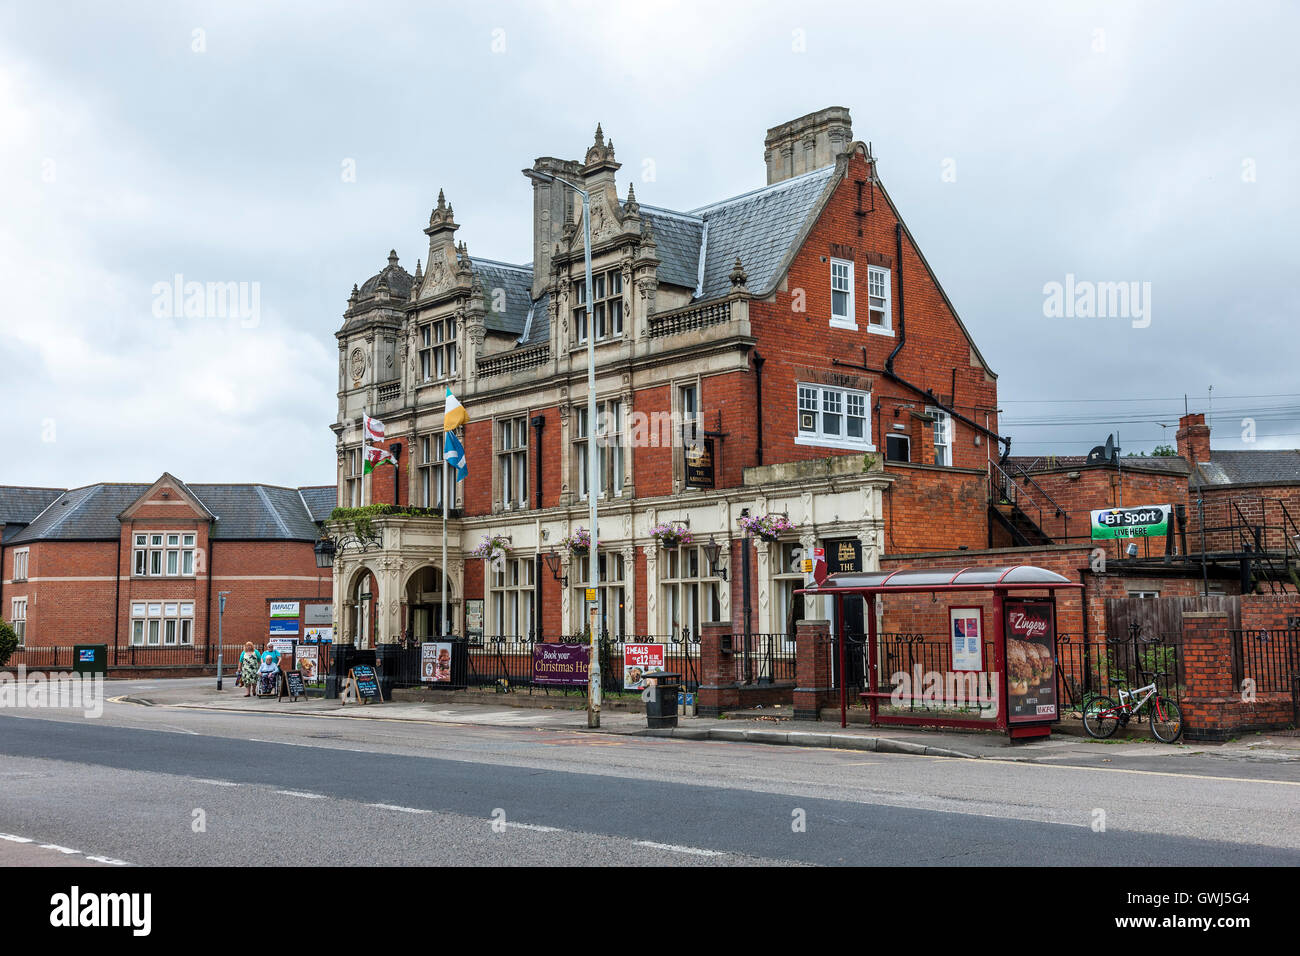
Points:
[[612, 585], [513, 590], [512, 462], [849, 319], [611, 460], [942, 427], [687, 600], [354, 479], [438, 349], [787, 577], [878, 289], [817, 435], [609, 317], [430, 468], [18, 618], [162, 624], [21, 560], [164, 554]]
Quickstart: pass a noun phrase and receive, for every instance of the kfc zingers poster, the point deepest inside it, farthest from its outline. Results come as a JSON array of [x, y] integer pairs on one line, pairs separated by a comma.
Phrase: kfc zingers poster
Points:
[[1031, 660]]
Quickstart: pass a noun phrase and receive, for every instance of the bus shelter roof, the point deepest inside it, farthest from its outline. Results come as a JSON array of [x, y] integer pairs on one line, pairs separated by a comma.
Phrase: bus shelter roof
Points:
[[1002, 578]]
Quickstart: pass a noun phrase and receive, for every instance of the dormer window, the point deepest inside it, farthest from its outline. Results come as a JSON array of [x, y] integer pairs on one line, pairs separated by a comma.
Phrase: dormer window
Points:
[[607, 313], [438, 349]]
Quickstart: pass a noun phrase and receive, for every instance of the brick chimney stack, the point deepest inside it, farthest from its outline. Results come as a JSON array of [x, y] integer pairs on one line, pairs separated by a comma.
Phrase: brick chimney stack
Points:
[[1193, 438]]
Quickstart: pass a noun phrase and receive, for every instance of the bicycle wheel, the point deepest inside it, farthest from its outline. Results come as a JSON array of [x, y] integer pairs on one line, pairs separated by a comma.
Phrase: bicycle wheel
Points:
[[1166, 719], [1100, 717]]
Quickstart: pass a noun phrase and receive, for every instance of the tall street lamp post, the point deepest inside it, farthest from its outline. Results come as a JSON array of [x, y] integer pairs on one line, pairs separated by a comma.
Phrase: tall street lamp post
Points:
[[221, 612], [593, 572]]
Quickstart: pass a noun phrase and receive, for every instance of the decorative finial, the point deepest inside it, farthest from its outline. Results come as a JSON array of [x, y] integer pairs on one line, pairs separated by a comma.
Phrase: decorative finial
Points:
[[600, 136], [442, 200], [738, 277], [631, 207], [392, 257]]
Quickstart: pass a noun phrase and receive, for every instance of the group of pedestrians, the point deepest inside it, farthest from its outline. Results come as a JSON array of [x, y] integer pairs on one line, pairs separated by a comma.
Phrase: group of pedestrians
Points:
[[259, 671]]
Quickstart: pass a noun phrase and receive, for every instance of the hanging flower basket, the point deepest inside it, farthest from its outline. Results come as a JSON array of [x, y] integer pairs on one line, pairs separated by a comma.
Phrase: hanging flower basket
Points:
[[578, 543], [672, 535], [769, 527], [493, 547]]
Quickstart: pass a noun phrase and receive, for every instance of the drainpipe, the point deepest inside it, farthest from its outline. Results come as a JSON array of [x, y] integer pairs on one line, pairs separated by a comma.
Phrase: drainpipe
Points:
[[758, 399], [207, 614], [898, 275], [538, 422], [902, 338], [117, 594]]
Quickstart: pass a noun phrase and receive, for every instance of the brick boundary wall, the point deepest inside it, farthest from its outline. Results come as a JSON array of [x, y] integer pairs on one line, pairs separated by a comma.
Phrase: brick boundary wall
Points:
[[1213, 709], [813, 680]]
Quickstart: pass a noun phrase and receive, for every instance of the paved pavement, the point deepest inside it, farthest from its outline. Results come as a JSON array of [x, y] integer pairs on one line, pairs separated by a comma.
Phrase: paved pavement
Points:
[[529, 712]]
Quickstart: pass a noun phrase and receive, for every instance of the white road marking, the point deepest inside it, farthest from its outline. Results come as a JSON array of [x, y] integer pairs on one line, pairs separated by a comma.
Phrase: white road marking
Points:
[[216, 783], [1148, 773], [303, 794], [61, 849], [393, 806], [66, 851], [692, 850], [531, 826]]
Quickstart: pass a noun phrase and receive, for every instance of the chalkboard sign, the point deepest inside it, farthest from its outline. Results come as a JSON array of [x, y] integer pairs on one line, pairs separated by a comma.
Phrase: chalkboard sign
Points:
[[366, 683], [296, 687]]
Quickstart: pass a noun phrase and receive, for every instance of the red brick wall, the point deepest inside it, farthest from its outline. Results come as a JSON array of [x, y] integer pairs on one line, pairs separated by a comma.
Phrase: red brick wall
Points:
[[652, 465], [1097, 488], [793, 332], [928, 509]]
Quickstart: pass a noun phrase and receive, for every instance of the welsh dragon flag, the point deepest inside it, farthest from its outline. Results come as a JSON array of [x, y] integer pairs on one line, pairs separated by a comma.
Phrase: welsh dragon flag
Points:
[[373, 454]]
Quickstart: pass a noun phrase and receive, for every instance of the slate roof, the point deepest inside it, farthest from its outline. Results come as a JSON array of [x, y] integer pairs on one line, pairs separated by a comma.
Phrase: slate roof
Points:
[[1262, 467], [516, 282], [759, 226], [321, 500], [539, 329], [244, 512], [678, 237], [19, 506]]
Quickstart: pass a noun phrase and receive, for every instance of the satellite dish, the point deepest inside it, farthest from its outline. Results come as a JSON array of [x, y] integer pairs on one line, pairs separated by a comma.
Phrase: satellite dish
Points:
[[1110, 447], [1097, 454]]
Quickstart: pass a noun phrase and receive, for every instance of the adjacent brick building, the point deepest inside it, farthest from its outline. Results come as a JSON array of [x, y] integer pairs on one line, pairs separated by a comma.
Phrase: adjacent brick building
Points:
[[785, 351], [142, 565]]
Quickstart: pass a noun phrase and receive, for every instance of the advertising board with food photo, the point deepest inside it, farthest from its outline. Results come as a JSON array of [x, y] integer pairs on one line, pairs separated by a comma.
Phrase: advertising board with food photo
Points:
[[640, 660], [1031, 660], [308, 662], [435, 662]]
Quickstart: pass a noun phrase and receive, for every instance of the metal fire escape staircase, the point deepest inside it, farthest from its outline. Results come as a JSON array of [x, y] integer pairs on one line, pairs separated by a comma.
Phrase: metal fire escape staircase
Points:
[[1018, 505], [1267, 563]]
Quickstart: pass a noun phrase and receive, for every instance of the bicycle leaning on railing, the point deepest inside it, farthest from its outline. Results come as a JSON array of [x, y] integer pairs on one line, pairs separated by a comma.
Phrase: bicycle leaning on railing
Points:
[[1102, 716]]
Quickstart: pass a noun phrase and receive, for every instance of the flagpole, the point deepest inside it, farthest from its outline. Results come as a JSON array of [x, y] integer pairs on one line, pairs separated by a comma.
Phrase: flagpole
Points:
[[446, 618]]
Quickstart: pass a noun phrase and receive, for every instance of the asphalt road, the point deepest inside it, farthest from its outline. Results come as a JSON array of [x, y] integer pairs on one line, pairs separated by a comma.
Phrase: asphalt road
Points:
[[165, 785]]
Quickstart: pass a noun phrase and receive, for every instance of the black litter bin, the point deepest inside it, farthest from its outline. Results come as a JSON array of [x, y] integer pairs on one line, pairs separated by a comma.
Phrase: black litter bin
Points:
[[661, 700]]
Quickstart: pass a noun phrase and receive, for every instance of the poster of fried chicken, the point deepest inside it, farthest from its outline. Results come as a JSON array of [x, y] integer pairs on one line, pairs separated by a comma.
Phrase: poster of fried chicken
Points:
[[1030, 660]]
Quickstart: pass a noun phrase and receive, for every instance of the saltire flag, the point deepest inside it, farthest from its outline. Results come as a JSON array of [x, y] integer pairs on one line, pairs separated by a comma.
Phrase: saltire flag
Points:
[[454, 452], [455, 415]]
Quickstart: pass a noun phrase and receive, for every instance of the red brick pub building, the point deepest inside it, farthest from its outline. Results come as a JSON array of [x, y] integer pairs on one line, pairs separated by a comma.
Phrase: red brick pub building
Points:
[[786, 351]]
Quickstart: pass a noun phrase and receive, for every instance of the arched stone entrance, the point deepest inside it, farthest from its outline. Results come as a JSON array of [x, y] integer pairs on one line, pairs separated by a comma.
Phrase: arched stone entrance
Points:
[[360, 608], [424, 610]]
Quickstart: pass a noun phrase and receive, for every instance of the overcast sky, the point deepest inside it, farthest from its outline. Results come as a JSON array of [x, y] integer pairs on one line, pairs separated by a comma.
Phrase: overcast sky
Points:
[[1024, 143]]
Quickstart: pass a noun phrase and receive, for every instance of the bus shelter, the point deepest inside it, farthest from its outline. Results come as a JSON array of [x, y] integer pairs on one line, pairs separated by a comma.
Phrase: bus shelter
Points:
[[1014, 692]]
